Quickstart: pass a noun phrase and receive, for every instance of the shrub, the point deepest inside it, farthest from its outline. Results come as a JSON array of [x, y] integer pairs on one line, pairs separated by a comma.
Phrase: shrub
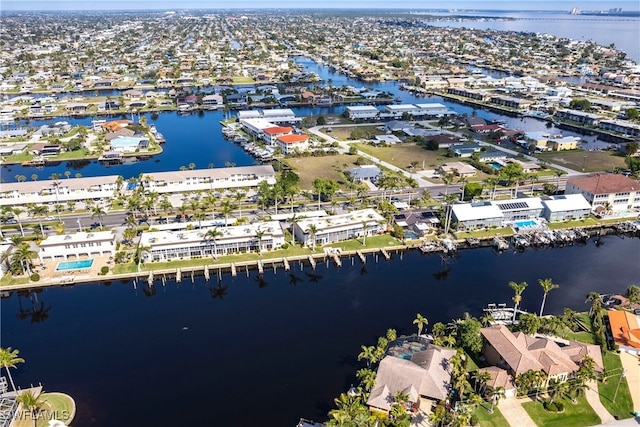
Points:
[[553, 406], [104, 270], [474, 420], [285, 246], [34, 277]]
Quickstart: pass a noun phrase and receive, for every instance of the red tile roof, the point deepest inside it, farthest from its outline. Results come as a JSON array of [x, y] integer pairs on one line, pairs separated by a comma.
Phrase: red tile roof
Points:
[[292, 139], [606, 184], [624, 328], [277, 130]]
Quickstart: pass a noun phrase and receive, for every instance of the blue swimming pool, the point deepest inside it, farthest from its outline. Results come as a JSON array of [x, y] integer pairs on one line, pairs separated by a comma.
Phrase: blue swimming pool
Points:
[[526, 224], [411, 235], [496, 166], [74, 265]]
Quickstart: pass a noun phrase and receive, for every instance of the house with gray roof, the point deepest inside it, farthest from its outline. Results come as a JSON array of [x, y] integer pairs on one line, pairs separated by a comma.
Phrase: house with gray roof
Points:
[[365, 173]]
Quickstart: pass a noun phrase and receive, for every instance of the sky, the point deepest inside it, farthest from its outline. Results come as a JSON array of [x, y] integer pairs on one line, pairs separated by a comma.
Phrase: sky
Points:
[[9, 5]]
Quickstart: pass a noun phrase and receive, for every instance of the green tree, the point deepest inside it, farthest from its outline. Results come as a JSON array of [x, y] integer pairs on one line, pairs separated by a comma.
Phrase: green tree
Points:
[[547, 286], [9, 359], [98, 211], [495, 394], [368, 353], [518, 288], [31, 403], [633, 294], [421, 322]]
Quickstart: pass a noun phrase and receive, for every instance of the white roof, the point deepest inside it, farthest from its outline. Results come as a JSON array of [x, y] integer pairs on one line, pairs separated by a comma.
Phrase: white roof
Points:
[[567, 202], [351, 218], [473, 211], [82, 236], [362, 108], [278, 112], [234, 233]]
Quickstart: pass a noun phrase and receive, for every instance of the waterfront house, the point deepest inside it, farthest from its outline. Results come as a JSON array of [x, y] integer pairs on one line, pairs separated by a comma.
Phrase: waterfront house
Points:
[[419, 222], [363, 112], [476, 215], [607, 192], [620, 126], [524, 208], [625, 329], [545, 141], [77, 245], [335, 228], [419, 369], [293, 143], [271, 134], [519, 353], [565, 207], [580, 117], [186, 244], [129, 144]]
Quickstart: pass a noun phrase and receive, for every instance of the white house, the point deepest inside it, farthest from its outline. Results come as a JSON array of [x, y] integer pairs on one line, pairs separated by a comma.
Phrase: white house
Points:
[[335, 228], [293, 143], [565, 207], [177, 244], [612, 192], [362, 112], [78, 245], [129, 144]]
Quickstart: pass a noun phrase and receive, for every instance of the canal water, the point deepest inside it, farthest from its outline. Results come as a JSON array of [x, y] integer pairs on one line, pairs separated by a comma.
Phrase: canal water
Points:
[[197, 138], [266, 351]]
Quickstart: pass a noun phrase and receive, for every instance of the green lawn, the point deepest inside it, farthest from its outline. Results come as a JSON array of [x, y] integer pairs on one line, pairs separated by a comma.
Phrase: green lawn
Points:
[[291, 251], [483, 234], [496, 419], [623, 406], [579, 415]]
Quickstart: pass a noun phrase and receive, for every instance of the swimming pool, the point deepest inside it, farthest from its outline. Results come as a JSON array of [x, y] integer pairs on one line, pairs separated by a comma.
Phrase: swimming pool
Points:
[[74, 265], [496, 166], [526, 223], [411, 235]]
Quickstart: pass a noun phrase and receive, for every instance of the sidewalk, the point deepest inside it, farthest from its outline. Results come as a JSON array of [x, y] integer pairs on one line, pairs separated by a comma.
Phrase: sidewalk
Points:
[[593, 397]]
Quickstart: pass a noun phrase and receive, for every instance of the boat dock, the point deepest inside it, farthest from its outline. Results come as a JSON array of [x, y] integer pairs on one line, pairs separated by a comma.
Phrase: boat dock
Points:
[[362, 257], [285, 263], [385, 254]]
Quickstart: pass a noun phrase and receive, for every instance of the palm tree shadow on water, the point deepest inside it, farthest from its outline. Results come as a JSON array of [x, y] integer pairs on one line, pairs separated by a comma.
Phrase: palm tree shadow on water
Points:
[[294, 280], [38, 312], [261, 282], [219, 291], [313, 276], [445, 269]]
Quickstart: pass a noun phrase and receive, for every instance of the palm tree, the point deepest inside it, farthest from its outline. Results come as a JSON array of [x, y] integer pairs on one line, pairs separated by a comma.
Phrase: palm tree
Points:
[[487, 319], [364, 233], [518, 288], [99, 212], [23, 255], [368, 354], [227, 208], [259, 235], [633, 294], [480, 379], [211, 236], [596, 302], [38, 211], [17, 212], [367, 378], [31, 403], [421, 321], [495, 394], [547, 286], [9, 359], [312, 230]]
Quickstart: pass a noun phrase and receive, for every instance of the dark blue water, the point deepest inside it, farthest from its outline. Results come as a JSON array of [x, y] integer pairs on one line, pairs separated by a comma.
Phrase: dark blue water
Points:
[[270, 352]]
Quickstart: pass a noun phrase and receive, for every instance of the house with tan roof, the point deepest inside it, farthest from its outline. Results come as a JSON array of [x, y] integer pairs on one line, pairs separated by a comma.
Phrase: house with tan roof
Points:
[[625, 329], [518, 353], [420, 370], [614, 192]]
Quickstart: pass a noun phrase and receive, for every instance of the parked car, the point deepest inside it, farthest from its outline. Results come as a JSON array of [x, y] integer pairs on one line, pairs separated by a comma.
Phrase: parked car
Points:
[[50, 218]]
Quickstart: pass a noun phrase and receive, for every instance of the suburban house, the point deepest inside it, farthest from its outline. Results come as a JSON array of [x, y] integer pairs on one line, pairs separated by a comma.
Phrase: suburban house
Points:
[[77, 245], [335, 228], [270, 135], [369, 173], [293, 143], [175, 244], [607, 192], [545, 141], [580, 116], [414, 367], [476, 215], [625, 329], [465, 150], [501, 378], [518, 353], [458, 169]]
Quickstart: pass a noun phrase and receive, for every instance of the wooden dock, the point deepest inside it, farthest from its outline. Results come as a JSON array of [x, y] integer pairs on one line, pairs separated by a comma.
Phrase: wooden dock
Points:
[[362, 257], [234, 273], [206, 273], [178, 275], [385, 254], [285, 263], [337, 260], [260, 268], [312, 261], [150, 278]]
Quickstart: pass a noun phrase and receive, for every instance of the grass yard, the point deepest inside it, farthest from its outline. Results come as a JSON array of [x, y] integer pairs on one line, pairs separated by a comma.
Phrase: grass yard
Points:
[[57, 405], [579, 415], [361, 132], [591, 161], [496, 419], [623, 406], [239, 80], [402, 155], [483, 234], [327, 167]]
